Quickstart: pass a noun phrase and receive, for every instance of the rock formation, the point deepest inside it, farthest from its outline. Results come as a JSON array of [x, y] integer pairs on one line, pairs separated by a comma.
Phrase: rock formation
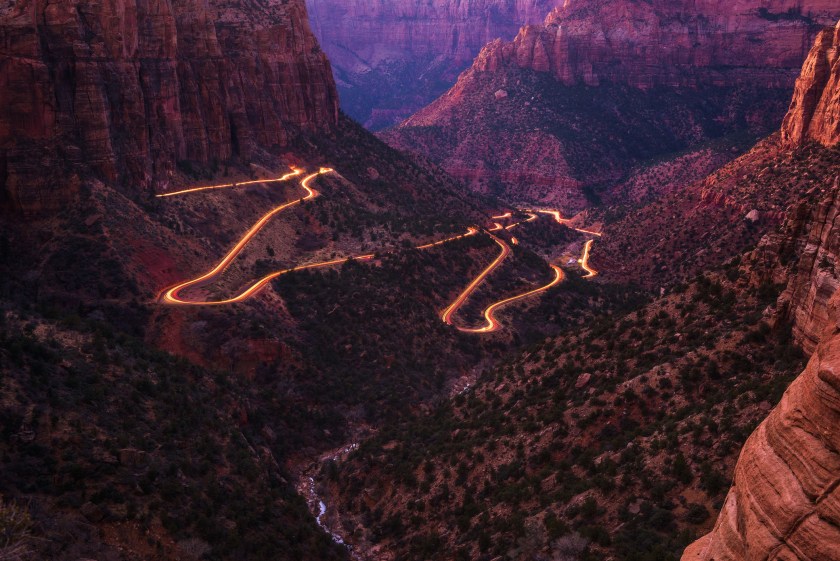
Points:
[[393, 57], [815, 111], [592, 82], [128, 89], [785, 499], [667, 43]]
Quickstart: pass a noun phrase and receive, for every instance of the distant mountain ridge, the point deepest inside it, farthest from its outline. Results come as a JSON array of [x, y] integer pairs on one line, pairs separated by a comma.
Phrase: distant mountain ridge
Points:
[[602, 87], [393, 57]]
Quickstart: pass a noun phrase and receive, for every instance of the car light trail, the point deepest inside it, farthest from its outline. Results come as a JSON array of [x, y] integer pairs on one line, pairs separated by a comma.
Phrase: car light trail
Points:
[[584, 260], [170, 296], [490, 322], [294, 173], [565, 221], [447, 314]]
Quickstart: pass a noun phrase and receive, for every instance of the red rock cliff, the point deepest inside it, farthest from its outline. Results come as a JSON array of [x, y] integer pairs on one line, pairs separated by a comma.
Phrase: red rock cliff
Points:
[[668, 42], [785, 500], [815, 111], [125, 89]]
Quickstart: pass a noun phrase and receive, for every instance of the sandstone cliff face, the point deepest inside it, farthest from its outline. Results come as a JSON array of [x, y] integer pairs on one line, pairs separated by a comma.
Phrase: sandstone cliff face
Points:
[[126, 89], [816, 278], [785, 500], [393, 57], [815, 110], [668, 43]]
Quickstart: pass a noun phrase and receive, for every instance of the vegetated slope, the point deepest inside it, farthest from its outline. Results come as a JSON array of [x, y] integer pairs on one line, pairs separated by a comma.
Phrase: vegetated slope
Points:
[[677, 235], [118, 451], [601, 88], [620, 435], [391, 58]]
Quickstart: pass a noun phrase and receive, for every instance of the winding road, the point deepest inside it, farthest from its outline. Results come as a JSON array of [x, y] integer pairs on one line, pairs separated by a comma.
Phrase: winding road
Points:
[[294, 173], [491, 324], [171, 296], [447, 314], [584, 261]]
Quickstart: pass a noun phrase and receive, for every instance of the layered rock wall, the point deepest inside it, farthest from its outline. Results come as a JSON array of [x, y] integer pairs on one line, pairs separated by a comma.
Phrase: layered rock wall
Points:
[[785, 499], [815, 111], [126, 89], [672, 43]]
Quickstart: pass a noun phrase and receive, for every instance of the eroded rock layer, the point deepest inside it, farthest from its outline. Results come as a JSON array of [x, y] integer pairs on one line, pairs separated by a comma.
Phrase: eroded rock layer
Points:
[[815, 110], [785, 501], [127, 89]]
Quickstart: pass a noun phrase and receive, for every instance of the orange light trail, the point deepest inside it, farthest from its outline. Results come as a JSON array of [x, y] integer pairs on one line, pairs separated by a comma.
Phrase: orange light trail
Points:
[[584, 260], [447, 314], [263, 282], [565, 221], [470, 232], [294, 173], [170, 296], [490, 322], [502, 216]]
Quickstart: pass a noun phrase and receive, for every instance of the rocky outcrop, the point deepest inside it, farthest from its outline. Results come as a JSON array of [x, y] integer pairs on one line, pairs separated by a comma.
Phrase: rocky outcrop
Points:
[[815, 110], [392, 57], [127, 89], [785, 498], [816, 274]]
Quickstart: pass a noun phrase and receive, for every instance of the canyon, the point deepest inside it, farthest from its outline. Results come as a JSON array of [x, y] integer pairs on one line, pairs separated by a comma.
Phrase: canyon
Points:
[[570, 445], [392, 58], [589, 84], [235, 324]]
